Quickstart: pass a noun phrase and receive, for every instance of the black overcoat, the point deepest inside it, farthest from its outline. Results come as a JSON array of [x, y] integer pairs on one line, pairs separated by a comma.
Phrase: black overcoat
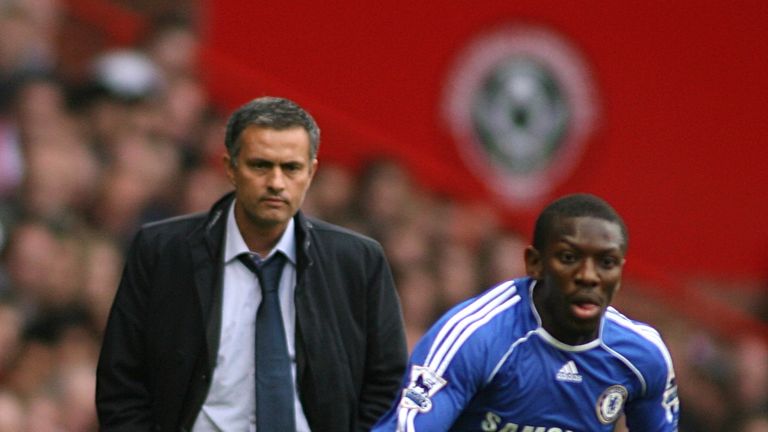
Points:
[[161, 339]]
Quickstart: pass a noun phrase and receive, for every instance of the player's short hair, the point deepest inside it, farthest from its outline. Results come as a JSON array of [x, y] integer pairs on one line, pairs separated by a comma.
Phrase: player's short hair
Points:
[[273, 113], [570, 206]]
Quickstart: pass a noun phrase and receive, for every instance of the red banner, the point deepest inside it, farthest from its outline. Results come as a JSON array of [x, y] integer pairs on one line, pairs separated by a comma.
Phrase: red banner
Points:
[[660, 107]]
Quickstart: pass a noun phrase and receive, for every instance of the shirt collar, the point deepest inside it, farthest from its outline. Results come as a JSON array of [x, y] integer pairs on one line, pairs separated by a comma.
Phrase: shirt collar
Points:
[[235, 244]]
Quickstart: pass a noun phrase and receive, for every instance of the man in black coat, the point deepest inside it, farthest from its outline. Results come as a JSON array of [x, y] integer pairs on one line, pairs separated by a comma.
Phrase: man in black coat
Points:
[[178, 352]]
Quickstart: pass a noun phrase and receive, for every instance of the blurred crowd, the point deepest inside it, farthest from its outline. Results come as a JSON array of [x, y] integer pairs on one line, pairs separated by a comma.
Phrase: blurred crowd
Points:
[[85, 160]]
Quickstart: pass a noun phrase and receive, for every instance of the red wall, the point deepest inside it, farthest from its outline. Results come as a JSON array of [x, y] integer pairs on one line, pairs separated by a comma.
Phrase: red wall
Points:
[[680, 150]]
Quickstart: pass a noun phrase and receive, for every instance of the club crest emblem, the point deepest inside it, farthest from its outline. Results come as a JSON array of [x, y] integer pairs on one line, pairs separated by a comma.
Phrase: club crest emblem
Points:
[[520, 104], [610, 404], [424, 384]]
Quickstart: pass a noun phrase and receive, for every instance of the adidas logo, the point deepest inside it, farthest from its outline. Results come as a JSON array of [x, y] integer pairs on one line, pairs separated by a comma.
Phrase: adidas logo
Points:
[[569, 373]]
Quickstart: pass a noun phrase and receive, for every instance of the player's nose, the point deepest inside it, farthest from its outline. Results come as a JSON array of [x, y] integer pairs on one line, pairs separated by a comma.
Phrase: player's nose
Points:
[[587, 273]]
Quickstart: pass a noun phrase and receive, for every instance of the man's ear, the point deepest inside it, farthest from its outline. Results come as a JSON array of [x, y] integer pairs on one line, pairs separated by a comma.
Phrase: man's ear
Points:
[[229, 169], [533, 264]]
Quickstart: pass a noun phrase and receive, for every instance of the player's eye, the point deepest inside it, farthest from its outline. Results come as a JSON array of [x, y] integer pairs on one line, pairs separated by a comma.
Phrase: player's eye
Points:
[[608, 262], [567, 257]]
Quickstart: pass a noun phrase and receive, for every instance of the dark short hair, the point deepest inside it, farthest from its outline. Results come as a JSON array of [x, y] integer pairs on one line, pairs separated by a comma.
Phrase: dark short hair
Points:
[[274, 113], [570, 206]]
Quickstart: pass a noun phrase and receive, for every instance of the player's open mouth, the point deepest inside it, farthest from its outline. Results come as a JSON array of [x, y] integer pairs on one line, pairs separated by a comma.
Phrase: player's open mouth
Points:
[[585, 310]]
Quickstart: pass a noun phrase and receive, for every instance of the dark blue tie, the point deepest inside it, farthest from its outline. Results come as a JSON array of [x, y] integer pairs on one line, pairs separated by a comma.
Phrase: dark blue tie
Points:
[[274, 383]]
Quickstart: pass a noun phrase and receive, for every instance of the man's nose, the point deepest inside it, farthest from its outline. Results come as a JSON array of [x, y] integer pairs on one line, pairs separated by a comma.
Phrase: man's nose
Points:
[[276, 179], [587, 272]]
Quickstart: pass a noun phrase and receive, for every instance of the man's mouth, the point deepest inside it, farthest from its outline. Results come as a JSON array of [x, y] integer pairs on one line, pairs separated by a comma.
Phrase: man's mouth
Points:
[[273, 200], [585, 309]]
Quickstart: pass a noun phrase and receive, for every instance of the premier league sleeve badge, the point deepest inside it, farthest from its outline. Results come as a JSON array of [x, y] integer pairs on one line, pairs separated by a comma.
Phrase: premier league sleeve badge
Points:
[[424, 384]]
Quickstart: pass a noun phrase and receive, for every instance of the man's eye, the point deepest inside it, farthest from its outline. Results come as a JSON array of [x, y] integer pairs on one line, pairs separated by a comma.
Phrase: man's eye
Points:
[[259, 165], [609, 262], [567, 257]]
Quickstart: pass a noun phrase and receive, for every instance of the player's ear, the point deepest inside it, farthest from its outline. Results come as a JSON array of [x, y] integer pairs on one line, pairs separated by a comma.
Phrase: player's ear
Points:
[[533, 264]]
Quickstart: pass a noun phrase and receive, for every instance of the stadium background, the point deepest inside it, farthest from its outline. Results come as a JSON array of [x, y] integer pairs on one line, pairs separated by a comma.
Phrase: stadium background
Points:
[[678, 146]]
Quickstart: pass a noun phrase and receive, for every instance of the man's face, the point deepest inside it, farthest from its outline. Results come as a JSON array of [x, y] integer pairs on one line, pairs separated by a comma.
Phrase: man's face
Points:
[[271, 176], [578, 273]]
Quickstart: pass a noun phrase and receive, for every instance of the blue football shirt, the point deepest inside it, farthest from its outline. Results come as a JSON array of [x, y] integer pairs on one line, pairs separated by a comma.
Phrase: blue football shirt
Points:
[[488, 365]]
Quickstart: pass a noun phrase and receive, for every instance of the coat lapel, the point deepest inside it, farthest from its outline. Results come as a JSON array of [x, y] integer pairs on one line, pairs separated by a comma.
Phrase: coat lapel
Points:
[[206, 245], [305, 319]]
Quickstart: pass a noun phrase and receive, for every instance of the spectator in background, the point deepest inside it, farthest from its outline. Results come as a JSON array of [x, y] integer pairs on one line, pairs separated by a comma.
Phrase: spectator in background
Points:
[[12, 416], [11, 325], [755, 423], [43, 414], [418, 290], [408, 244], [28, 32], [141, 184], [457, 274], [74, 395], [30, 252], [385, 196], [751, 376], [173, 45], [202, 186], [102, 265], [183, 106], [499, 258], [331, 195]]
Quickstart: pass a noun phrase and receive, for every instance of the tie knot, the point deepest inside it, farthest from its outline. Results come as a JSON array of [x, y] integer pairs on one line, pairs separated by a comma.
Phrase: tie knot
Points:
[[276, 261], [268, 271]]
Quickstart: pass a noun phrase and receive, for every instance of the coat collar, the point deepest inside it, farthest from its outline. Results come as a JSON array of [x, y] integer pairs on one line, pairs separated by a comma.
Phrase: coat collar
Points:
[[214, 230], [215, 225], [303, 227]]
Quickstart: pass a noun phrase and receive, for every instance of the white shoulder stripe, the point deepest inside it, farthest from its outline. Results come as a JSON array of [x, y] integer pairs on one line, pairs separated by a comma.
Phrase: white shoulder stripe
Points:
[[459, 330], [464, 335], [648, 333], [453, 334], [505, 290], [405, 418]]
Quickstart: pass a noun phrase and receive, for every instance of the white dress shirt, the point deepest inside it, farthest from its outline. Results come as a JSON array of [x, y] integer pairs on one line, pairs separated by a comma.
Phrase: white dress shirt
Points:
[[231, 401]]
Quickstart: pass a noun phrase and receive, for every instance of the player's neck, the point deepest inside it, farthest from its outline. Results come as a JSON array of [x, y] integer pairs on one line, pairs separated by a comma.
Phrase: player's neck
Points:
[[559, 327]]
